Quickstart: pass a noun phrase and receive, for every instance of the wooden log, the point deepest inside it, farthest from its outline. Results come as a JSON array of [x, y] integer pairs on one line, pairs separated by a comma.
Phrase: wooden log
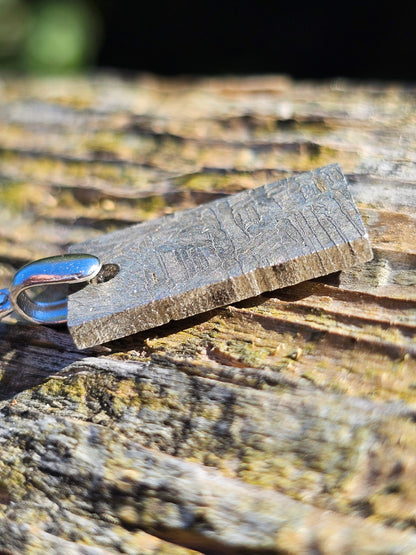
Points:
[[281, 424]]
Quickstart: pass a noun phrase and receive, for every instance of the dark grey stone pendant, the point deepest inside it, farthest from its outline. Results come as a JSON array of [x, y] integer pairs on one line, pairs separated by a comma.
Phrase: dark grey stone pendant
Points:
[[228, 250]]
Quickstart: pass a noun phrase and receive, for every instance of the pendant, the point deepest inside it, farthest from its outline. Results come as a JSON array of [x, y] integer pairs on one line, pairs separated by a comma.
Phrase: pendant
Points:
[[193, 261], [225, 251]]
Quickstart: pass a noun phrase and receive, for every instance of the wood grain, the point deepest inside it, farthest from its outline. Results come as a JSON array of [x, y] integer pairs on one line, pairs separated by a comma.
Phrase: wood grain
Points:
[[281, 424]]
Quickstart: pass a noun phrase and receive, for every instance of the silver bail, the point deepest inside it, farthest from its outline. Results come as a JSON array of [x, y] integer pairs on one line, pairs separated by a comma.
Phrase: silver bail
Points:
[[35, 293]]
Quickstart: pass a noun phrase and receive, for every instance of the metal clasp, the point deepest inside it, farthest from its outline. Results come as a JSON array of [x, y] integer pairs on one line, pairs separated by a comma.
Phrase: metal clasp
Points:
[[39, 292]]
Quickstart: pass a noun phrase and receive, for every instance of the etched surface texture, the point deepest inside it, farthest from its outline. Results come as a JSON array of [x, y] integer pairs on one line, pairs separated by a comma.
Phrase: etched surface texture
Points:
[[218, 253]]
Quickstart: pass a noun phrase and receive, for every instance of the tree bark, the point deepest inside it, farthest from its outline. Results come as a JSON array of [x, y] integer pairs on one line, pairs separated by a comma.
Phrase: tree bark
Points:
[[282, 424]]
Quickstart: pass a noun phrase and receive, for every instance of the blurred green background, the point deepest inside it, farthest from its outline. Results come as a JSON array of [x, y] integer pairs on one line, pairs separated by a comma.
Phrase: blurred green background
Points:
[[49, 36], [304, 39]]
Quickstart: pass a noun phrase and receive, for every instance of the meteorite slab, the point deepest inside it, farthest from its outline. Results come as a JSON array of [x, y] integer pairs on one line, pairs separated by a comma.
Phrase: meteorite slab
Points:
[[225, 251]]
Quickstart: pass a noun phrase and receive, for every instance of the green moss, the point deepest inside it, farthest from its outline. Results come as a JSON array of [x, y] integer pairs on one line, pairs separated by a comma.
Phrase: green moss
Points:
[[152, 205], [74, 389], [18, 196], [247, 353], [12, 482], [103, 142], [212, 181], [201, 181]]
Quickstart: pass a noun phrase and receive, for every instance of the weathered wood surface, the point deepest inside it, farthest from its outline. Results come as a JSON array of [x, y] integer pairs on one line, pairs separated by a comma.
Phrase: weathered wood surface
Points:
[[283, 424]]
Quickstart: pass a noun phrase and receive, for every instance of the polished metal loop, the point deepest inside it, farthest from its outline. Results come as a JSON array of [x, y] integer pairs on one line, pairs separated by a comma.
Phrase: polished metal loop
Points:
[[39, 292]]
